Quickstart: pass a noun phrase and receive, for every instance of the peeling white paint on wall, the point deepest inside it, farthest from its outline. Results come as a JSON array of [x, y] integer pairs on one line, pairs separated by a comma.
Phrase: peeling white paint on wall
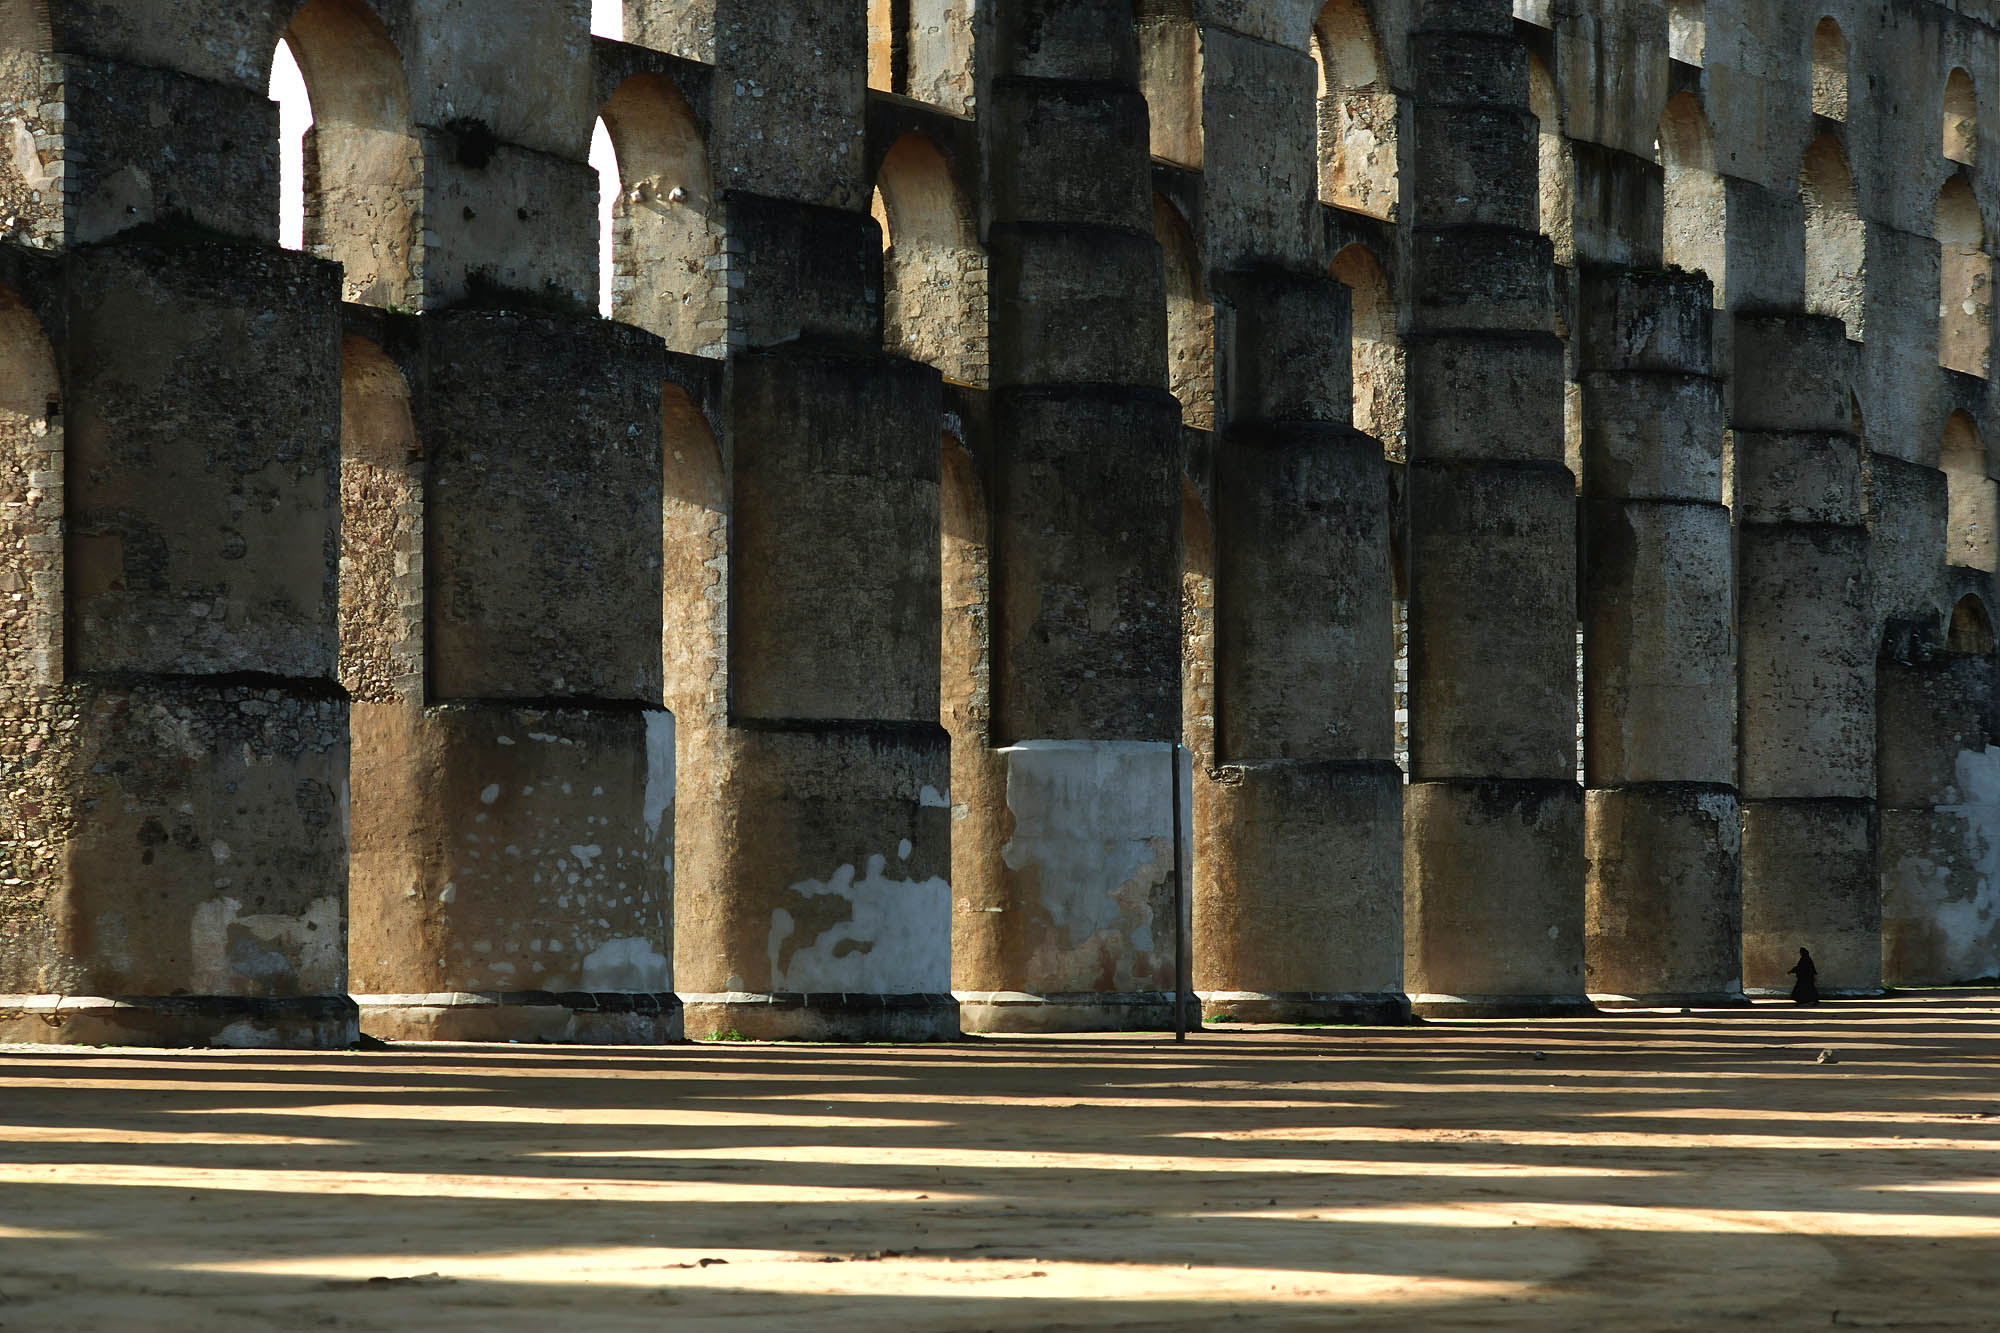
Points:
[[1090, 815], [233, 954], [894, 940], [1970, 925], [659, 772], [626, 965]]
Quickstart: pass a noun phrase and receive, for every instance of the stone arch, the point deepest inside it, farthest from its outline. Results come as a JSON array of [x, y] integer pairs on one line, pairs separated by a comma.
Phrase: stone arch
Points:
[[1696, 201], [1971, 630], [1190, 318], [1357, 112], [1687, 31], [1558, 170], [934, 270], [381, 530], [361, 163], [666, 225], [1965, 281], [31, 508], [1961, 118], [1836, 239], [1974, 498], [1829, 70], [1380, 368], [1197, 626]]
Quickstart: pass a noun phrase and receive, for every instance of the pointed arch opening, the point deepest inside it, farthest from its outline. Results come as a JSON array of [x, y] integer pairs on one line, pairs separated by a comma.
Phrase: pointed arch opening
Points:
[[1695, 211], [1829, 71], [1965, 281], [353, 178], [1971, 631], [1190, 318], [1973, 516], [1380, 368], [1961, 118], [1836, 239], [934, 269], [1557, 209], [664, 223], [1687, 31], [1357, 113]]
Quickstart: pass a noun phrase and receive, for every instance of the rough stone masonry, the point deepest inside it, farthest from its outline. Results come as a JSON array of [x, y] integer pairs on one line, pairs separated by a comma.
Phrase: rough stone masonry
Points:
[[1531, 457]]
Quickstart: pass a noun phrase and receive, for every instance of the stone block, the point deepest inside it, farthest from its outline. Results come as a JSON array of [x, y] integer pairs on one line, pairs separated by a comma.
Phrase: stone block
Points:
[[203, 848], [1931, 727], [801, 272], [507, 226], [1076, 305], [543, 435], [1260, 147], [1663, 900], [203, 439], [788, 115], [1291, 356], [1659, 665], [1488, 176], [1653, 437], [1476, 396], [1653, 320], [1303, 651], [832, 850], [1941, 891], [510, 853], [1792, 373], [1809, 881], [1469, 69], [145, 147], [1484, 279], [835, 556], [1298, 890], [1808, 663], [1087, 599], [1494, 875], [1793, 477], [1075, 153], [1081, 40], [1492, 621]]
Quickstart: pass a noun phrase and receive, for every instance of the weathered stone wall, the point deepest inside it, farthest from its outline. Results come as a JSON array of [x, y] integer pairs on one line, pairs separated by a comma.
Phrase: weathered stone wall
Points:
[[995, 391]]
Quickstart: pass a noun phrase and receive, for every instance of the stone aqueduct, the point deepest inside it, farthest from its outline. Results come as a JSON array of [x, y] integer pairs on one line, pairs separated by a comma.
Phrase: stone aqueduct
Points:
[[1532, 458]]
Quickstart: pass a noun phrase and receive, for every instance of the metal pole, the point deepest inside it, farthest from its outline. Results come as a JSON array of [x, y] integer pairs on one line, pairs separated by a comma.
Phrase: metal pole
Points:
[[1180, 904]]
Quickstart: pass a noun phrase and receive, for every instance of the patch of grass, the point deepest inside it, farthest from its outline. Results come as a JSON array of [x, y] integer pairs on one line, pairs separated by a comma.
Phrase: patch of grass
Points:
[[730, 1034]]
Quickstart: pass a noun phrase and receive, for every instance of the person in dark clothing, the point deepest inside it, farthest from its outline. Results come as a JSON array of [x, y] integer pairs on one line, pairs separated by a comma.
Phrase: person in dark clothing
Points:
[[1805, 990]]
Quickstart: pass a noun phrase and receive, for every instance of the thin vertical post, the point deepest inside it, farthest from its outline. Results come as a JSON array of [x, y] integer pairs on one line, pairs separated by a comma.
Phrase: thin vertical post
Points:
[[1180, 901]]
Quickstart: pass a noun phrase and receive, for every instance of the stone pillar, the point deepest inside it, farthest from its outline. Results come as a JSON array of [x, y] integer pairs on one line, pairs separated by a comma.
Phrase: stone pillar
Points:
[[1939, 784], [813, 900], [178, 792], [1664, 911], [1064, 911], [513, 830], [1298, 825], [1807, 723], [1493, 853]]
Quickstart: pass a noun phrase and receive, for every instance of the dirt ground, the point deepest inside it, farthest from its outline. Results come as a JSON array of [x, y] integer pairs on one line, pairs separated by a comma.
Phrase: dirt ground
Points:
[[1648, 1171]]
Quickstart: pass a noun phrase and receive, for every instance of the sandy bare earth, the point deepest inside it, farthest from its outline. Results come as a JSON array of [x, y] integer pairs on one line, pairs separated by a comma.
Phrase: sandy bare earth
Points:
[[1656, 1171]]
